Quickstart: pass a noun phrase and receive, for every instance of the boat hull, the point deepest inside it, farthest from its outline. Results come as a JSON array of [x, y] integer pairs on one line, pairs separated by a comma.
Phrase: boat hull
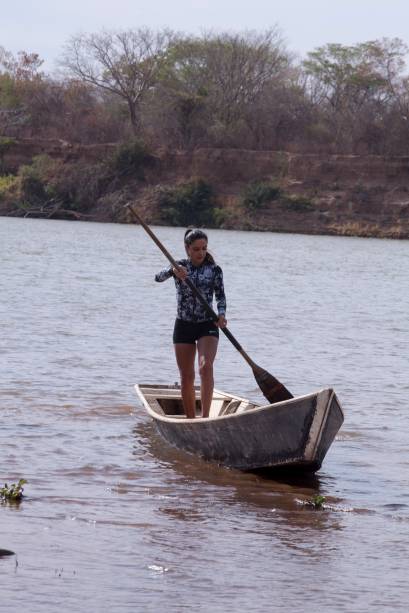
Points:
[[293, 434]]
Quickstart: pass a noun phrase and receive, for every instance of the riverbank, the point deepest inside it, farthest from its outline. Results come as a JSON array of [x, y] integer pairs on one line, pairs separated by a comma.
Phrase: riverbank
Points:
[[250, 190]]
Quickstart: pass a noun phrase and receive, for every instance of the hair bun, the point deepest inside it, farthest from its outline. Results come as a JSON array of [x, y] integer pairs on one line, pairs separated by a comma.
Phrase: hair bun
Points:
[[194, 234]]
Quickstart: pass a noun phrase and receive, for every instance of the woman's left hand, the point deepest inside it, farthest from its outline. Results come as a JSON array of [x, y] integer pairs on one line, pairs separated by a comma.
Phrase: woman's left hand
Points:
[[221, 322]]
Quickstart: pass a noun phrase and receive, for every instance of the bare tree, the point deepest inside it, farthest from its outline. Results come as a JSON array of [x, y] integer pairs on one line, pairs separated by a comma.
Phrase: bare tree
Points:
[[216, 79], [24, 67], [124, 63], [19, 76], [240, 66]]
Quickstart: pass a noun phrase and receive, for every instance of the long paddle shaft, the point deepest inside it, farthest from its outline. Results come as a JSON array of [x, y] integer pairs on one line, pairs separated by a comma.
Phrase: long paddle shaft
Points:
[[272, 389]]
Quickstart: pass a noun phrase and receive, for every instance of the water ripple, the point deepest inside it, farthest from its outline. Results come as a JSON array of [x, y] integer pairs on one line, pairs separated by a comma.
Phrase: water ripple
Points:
[[115, 519]]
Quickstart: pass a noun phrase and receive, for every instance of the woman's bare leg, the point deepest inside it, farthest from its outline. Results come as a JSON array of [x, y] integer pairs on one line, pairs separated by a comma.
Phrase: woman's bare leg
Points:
[[185, 358], [207, 349]]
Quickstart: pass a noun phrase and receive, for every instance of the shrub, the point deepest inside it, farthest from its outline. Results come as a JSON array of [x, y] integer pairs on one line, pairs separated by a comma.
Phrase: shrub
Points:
[[258, 193], [5, 144], [188, 204], [129, 158], [31, 185], [78, 186], [220, 216], [7, 185], [44, 167], [75, 186], [299, 204], [35, 178]]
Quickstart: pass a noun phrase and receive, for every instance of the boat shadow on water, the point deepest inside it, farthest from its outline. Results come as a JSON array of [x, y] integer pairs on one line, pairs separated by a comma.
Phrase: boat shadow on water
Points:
[[281, 492]]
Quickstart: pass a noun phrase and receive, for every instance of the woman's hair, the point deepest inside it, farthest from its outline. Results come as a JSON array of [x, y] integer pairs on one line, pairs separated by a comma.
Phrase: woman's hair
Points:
[[194, 234]]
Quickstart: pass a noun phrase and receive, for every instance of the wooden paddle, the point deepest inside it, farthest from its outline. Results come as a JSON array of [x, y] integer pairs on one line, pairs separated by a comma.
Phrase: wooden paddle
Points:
[[272, 389]]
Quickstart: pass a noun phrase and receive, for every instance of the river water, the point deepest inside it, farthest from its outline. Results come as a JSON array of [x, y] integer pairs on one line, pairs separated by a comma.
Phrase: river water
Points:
[[115, 520]]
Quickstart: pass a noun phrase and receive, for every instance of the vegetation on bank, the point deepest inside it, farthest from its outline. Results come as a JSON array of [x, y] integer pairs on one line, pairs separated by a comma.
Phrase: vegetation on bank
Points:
[[241, 90], [51, 187], [192, 203], [141, 91], [89, 184], [258, 193]]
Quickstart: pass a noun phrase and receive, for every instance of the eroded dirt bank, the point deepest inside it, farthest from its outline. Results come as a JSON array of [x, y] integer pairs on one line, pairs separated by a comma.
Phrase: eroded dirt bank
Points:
[[319, 194]]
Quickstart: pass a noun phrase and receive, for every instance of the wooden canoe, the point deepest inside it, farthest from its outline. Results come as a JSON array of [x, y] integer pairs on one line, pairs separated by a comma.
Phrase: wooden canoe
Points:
[[295, 433]]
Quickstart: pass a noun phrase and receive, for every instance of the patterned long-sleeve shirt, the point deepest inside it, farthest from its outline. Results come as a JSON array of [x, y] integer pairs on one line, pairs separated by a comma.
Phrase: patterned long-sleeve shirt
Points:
[[208, 278]]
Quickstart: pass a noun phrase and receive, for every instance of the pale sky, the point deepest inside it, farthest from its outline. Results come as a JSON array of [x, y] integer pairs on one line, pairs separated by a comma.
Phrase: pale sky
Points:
[[43, 26]]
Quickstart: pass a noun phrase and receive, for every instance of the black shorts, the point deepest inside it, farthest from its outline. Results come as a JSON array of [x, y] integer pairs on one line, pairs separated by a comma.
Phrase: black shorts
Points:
[[190, 331]]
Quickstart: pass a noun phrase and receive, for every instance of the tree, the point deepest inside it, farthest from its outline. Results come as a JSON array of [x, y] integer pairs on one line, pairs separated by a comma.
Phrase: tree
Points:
[[353, 85], [18, 77], [124, 63], [220, 77], [353, 74], [24, 67]]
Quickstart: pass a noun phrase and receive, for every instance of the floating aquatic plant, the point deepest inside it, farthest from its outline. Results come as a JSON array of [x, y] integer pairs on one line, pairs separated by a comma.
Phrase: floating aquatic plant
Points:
[[13, 492], [317, 501]]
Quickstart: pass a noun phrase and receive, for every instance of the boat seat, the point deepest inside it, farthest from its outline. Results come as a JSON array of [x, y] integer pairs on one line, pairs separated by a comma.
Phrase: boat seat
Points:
[[237, 406], [246, 406], [231, 407]]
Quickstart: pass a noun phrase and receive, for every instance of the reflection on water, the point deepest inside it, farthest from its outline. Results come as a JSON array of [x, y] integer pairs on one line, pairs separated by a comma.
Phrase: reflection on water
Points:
[[242, 493], [115, 519]]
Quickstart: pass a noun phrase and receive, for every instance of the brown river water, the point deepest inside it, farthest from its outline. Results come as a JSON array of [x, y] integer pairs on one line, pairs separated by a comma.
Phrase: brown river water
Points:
[[114, 519]]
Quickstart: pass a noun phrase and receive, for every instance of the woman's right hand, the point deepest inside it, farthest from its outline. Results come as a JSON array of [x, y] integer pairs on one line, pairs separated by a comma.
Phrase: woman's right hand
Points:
[[180, 273]]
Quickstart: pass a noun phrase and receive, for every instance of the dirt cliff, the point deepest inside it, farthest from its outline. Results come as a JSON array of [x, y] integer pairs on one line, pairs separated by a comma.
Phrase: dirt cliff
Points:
[[320, 194]]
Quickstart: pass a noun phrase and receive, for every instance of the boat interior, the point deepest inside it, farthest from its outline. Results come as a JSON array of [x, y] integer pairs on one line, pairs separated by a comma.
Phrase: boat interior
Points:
[[166, 400]]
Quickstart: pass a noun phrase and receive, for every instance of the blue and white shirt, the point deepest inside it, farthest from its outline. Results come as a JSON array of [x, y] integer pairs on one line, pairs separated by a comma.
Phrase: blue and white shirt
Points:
[[208, 278]]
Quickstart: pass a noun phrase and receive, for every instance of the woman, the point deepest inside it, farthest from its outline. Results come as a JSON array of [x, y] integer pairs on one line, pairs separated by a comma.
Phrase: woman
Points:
[[193, 327]]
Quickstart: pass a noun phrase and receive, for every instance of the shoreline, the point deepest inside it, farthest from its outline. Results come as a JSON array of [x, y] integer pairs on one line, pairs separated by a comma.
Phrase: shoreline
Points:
[[355, 233]]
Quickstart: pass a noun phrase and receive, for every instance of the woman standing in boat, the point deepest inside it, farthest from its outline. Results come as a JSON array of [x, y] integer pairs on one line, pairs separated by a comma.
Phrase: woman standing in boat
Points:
[[193, 327]]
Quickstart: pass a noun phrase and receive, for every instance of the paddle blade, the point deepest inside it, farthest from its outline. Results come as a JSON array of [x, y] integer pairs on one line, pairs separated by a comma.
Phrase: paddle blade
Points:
[[271, 387]]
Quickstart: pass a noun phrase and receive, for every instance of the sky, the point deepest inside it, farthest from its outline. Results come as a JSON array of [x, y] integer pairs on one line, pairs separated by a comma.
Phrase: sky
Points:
[[43, 26]]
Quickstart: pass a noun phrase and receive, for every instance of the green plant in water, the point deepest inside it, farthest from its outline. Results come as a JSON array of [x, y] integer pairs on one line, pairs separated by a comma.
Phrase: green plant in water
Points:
[[317, 501], [13, 492]]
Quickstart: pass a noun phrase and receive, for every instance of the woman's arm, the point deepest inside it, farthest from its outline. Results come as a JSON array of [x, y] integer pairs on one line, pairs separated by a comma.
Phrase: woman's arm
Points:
[[164, 274], [220, 297]]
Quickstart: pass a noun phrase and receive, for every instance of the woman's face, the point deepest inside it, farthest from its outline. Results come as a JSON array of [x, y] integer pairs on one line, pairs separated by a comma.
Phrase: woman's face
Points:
[[197, 251]]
